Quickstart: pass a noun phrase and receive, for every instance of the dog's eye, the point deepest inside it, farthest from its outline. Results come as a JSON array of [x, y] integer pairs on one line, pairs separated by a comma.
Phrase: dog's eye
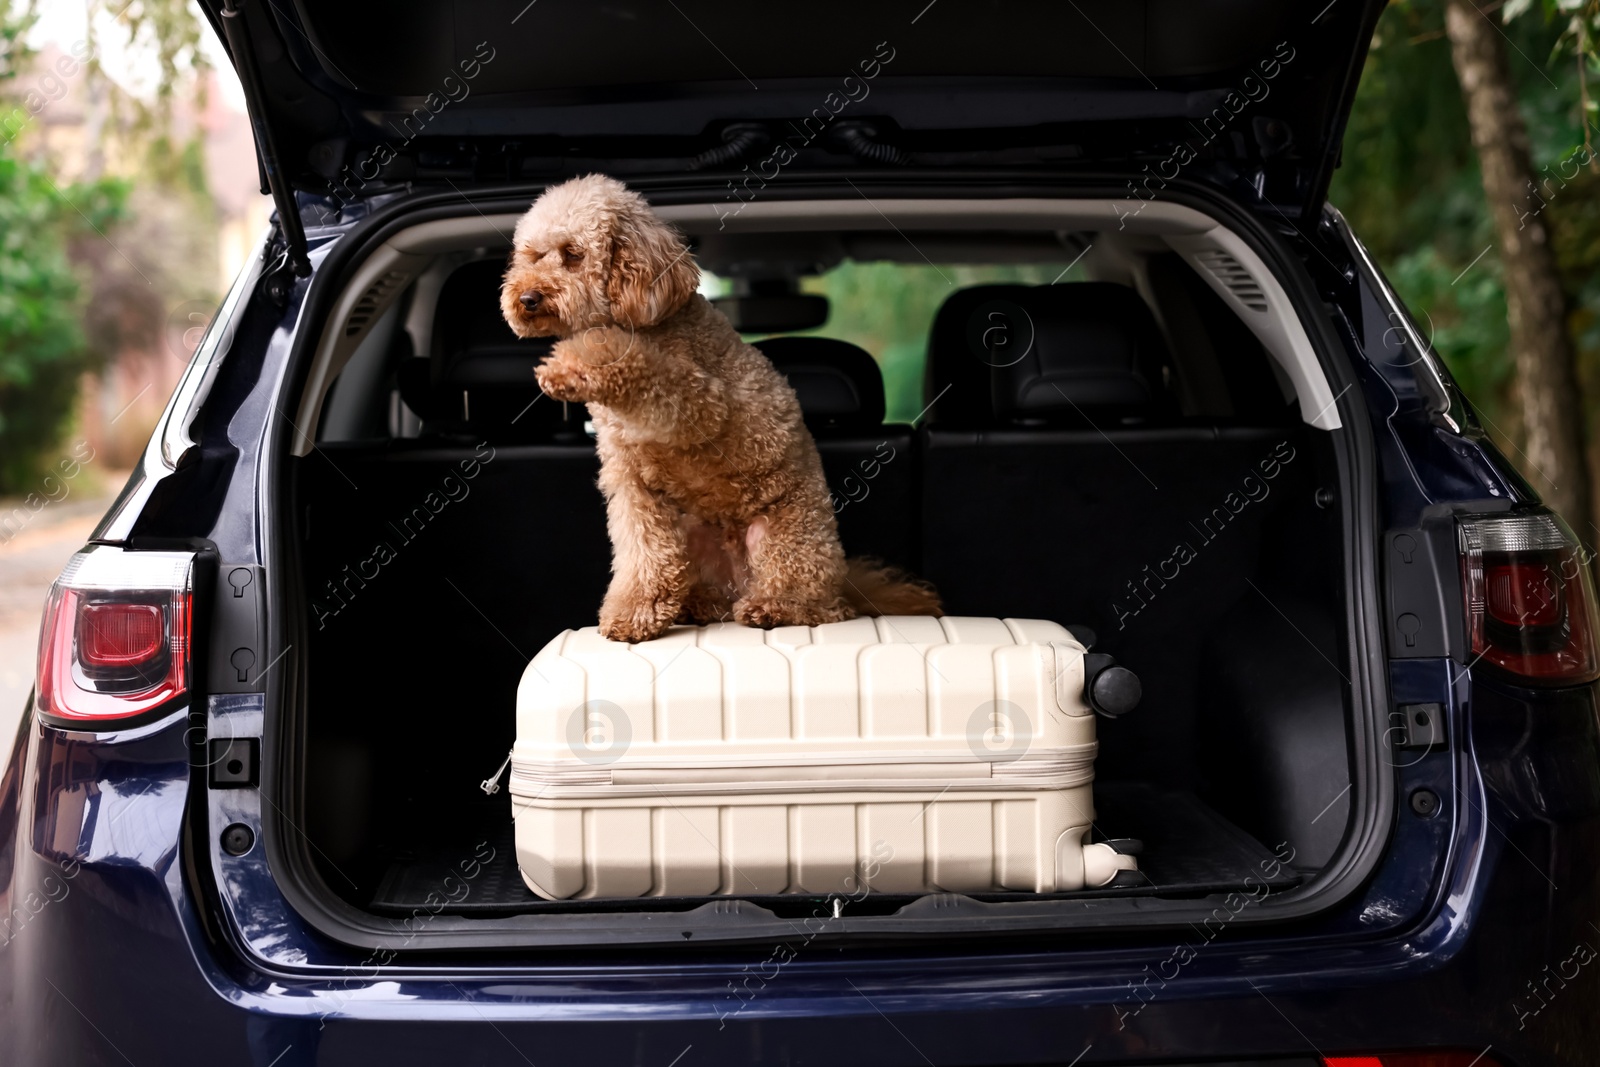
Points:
[[571, 256]]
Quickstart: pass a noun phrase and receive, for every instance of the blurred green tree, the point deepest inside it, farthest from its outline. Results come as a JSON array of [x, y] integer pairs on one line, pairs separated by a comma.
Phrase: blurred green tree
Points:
[[88, 269], [1536, 303], [42, 350], [1411, 184]]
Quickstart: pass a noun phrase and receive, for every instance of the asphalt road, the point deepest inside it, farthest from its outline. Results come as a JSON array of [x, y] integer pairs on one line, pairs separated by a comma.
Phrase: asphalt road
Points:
[[29, 562]]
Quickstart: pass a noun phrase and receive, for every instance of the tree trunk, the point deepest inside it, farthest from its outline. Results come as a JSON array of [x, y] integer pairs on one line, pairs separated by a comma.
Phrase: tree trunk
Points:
[[1547, 381]]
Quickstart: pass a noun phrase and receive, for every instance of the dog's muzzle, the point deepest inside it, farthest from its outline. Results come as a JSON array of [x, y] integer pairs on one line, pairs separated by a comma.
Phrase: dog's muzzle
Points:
[[530, 301]]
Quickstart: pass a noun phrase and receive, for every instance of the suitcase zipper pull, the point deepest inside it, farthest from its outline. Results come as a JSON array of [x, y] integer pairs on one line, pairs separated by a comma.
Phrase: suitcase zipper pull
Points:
[[491, 785]]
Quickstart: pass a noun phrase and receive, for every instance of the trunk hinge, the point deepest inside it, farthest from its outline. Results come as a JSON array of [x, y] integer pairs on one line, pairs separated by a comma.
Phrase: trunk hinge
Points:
[[278, 279]]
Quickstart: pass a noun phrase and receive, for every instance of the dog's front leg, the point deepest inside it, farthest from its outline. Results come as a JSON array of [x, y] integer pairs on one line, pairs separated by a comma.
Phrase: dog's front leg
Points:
[[599, 365], [659, 392], [650, 570]]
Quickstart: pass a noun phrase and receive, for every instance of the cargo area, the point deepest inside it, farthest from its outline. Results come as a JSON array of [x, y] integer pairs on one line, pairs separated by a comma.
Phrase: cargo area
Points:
[[1149, 467]]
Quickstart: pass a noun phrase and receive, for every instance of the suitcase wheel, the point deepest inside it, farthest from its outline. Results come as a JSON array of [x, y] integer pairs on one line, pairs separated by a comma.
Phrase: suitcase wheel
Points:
[[1110, 690]]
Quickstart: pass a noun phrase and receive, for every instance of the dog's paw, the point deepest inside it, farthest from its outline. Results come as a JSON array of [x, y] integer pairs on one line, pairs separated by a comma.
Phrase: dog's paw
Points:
[[768, 612], [704, 606], [638, 620], [560, 380]]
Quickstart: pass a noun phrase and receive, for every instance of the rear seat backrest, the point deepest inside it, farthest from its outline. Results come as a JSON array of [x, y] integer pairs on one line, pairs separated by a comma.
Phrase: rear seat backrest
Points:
[[466, 548], [519, 529]]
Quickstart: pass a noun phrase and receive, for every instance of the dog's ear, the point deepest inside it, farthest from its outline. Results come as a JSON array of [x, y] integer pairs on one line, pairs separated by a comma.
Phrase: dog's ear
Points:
[[652, 272]]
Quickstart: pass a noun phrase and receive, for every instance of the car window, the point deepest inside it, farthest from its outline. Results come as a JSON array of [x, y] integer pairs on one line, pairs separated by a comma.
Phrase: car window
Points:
[[888, 308]]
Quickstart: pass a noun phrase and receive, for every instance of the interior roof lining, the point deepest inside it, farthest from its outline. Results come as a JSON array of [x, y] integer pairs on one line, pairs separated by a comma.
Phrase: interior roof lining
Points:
[[1188, 231]]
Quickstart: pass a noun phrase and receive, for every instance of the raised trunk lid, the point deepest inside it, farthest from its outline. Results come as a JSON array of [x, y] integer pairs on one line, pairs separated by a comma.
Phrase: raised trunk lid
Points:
[[1249, 95]]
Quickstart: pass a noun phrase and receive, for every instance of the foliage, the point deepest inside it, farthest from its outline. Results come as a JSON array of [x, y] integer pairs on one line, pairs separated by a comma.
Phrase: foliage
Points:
[[170, 31], [88, 270], [42, 350], [1409, 184], [1464, 315], [1579, 23], [14, 50]]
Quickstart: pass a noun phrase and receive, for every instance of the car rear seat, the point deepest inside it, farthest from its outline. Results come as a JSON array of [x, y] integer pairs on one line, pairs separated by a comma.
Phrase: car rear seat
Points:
[[1058, 479], [871, 468]]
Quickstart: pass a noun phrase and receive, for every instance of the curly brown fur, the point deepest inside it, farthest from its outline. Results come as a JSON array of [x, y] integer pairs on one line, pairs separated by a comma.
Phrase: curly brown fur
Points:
[[715, 498]]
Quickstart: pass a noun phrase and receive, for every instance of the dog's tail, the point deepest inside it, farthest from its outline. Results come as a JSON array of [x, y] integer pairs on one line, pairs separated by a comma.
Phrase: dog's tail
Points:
[[875, 588]]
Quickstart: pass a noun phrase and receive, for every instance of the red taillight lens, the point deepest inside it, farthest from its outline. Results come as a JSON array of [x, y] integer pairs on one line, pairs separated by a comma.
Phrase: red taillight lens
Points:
[[1523, 594], [119, 634], [115, 639], [1415, 1059], [1530, 599]]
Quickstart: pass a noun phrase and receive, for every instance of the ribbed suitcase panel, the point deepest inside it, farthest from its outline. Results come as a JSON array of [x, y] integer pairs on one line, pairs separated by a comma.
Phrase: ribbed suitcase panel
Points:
[[815, 846], [827, 692], [684, 852], [823, 852], [726, 683]]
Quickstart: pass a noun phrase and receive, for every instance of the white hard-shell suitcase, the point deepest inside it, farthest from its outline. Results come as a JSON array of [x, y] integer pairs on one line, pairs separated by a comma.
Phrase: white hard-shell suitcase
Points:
[[907, 754]]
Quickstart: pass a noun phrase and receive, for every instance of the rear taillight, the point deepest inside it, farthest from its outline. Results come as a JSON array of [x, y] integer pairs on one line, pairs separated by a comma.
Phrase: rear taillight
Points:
[[115, 639], [1529, 597], [1415, 1059]]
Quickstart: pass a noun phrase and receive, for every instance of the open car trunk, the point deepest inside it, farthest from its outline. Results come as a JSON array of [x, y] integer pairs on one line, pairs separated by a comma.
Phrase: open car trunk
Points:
[[446, 525]]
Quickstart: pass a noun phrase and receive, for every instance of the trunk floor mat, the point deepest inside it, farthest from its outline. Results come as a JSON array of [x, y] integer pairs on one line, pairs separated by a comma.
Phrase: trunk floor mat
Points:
[[1188, 849]]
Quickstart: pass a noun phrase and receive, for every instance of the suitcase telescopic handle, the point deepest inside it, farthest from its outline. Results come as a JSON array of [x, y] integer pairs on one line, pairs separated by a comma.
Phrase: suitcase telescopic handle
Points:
[[1110, 690]]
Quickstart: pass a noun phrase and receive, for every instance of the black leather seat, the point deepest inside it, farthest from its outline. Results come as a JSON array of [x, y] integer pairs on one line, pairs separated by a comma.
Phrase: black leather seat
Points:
[[965, 330], [871, 468], [838, 383], [477, 381], [1087, 353]]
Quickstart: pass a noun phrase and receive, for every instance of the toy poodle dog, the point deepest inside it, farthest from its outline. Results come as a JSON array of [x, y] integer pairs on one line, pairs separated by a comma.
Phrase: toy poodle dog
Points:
[[715, 499]]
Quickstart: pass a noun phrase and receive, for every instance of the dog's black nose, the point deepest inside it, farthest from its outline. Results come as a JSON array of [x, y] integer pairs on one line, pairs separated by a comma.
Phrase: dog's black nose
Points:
[[531, 300]]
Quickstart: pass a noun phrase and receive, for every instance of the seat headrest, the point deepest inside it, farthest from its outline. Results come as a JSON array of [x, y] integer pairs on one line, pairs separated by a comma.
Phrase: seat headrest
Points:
[[478, 378], [838, 383], [467, 314], [956, 386], [1076, 352], [1080, 351]]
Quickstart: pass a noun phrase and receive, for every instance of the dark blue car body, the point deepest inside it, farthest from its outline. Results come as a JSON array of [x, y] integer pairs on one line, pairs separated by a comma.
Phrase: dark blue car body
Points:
[[130, 936], [1471, 932]]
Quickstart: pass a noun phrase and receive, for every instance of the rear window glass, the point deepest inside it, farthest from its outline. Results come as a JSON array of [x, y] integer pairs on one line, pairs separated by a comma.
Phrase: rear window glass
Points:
[[888, 309]]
